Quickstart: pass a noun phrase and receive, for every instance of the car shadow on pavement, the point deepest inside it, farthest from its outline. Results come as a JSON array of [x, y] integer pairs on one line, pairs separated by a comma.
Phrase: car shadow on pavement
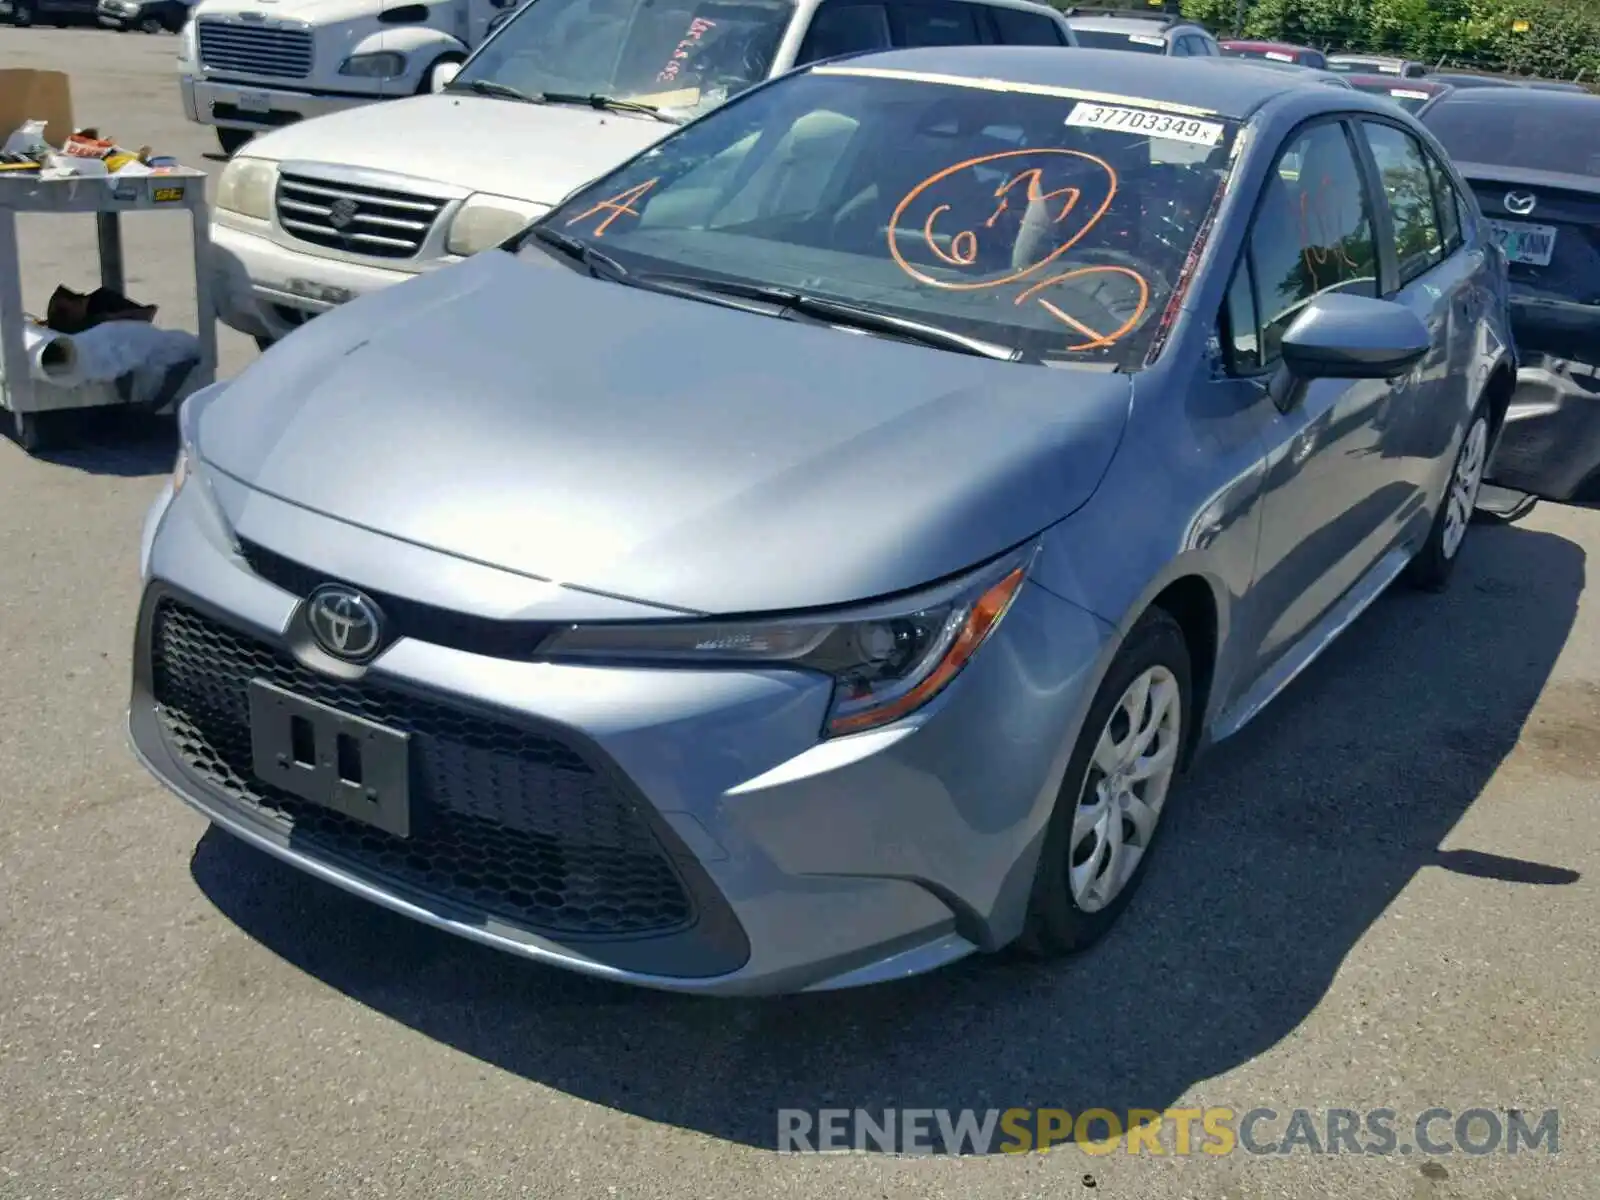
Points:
[[1289, 841], [117, 443]]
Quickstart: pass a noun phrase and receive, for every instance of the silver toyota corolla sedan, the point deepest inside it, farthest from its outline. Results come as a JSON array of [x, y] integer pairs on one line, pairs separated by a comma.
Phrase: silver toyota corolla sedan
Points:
[[811, 553]]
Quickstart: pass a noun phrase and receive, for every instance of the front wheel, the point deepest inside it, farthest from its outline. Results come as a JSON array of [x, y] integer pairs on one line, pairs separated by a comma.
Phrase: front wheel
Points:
[[1097, 845], [152, 25], [1431, 569]]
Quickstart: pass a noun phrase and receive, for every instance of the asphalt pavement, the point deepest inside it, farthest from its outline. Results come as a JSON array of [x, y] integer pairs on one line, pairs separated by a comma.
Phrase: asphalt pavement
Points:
[[1380, 895]]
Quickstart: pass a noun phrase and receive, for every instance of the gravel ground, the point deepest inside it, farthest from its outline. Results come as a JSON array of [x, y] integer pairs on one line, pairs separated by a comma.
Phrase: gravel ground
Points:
[[1380, 895]]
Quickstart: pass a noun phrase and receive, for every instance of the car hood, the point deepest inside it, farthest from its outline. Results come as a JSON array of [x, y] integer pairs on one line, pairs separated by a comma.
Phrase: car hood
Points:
[[659, 449], [534, 152]]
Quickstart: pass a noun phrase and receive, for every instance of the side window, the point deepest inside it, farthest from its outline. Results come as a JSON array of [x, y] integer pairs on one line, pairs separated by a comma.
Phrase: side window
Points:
[[1446, 203], [1018, 28], [1180, 47], [938, 24], [1406, 183], [1312, 232], [1241, 325], [846, 29]]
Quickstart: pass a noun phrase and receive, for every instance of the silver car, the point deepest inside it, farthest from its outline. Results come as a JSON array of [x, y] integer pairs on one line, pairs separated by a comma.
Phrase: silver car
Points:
[[811, 553]]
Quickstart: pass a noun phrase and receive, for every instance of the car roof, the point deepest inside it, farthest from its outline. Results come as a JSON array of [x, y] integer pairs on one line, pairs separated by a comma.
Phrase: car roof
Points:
[[1372, 58], [1557, 104], [1427, 83], [1154, 25], [1236, 90], [1253, 44]]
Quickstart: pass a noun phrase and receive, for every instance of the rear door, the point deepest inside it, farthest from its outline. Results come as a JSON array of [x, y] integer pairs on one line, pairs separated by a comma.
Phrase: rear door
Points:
[[1430, 273], [1016, 27]]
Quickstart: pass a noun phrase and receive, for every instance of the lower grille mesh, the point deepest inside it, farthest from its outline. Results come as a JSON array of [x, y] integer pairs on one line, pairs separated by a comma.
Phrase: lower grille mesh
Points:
[[511, 823]]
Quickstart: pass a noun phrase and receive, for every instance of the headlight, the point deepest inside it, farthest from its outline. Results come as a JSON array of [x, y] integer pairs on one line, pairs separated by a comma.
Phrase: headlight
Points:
[[246, 187], [381, 64], [485, 221], [886, 661]]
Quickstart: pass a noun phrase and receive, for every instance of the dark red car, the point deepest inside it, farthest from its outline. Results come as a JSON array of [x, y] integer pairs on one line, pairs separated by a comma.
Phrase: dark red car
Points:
[[1301, 56], [1409, 94]]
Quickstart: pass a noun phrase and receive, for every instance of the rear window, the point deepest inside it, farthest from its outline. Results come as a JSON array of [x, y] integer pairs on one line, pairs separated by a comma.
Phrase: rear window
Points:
[[1111, 39], [1533, 137]]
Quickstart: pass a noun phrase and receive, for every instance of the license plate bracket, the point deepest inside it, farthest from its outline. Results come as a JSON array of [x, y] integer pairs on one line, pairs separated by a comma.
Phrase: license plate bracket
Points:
[[331, 759], [255, 102], [1525, 242]]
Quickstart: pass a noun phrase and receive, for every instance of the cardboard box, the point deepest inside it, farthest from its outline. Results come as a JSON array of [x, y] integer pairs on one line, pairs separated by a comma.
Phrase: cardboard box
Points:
[[29, 95]]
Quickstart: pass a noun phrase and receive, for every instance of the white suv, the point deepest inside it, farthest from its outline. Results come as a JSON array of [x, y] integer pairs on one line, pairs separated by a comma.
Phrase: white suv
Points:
[[322, 211], [1146, 32]]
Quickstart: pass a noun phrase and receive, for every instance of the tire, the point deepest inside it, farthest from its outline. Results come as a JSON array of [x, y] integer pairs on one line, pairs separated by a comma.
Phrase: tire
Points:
[[232, 140], [152, 25], [1067, 915], [22, 13], [425, 85], [1433, 565]]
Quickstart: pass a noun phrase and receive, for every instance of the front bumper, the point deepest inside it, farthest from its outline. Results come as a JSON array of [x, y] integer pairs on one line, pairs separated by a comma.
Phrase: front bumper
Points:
[[257, 107], [802, 865], [267, 290], [1550, 445]]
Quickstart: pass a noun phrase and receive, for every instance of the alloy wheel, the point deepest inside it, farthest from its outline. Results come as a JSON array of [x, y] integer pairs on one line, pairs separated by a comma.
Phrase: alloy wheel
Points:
[[1125, 788], [1465, 483]]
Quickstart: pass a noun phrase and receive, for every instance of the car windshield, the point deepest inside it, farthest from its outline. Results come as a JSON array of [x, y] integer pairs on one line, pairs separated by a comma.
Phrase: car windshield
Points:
[[1027, 218], [1116, 39], [1409, 99], [1560, 137], [683, 55]]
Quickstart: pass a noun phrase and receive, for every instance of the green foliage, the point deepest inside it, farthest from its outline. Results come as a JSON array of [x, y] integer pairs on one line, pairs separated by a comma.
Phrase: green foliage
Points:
[[1562, 40]]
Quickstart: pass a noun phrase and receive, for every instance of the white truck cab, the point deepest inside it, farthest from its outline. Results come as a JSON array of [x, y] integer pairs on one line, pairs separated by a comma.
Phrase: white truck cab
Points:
[[320, 212], [247, 66]]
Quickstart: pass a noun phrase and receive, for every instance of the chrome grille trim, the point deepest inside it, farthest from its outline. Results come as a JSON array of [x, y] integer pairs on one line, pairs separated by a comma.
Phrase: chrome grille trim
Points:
[[386, 223], [254, 49]]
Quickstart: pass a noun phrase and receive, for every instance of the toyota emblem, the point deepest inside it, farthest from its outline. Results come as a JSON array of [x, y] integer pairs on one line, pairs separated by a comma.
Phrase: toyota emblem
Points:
[[346, 624], [1520, 203], [341, 212]]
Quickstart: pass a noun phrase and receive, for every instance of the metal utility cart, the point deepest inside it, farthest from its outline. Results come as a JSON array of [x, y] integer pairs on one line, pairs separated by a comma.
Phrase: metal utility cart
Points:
[[28, 404]]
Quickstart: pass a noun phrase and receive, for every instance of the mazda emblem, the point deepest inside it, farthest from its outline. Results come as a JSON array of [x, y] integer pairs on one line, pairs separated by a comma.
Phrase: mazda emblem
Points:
[[341, 212], [346, 624], [1520, 203]]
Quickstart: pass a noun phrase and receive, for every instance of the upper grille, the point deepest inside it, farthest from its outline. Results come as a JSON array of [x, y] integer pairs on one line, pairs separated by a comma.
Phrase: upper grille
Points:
[[408, 618], [254, 49], [375, 221], [506, 821]]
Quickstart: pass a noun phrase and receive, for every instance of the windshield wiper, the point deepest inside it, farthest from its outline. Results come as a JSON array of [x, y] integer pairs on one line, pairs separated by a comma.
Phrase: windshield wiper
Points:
[[488, 87], [580, 252], [836, 312], [608, 104]]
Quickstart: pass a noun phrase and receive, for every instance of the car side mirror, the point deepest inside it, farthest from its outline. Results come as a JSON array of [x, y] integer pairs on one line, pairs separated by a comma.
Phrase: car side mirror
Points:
[[1340, 336], [443, 74]]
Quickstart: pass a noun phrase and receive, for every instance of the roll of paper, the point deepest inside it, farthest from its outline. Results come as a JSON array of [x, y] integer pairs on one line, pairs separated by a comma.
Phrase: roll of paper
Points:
[[52, 358]]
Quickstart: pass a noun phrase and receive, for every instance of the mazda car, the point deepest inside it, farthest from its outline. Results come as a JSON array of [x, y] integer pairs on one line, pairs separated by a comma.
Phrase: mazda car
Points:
[[1532, 158], [816, 550]]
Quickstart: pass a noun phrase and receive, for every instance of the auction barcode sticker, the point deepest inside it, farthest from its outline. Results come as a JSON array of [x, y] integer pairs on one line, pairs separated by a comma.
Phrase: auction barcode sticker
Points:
[[1151, 124]]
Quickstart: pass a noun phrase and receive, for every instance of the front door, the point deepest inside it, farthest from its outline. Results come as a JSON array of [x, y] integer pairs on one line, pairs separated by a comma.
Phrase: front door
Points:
[[1333, 492]]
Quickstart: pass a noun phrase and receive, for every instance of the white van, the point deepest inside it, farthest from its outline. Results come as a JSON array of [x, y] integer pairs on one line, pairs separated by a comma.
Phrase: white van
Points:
[[322, 211]]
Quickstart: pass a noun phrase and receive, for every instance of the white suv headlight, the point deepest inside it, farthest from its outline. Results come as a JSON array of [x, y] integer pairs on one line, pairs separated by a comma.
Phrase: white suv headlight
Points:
[[886, 660], [381, 64], [246, 187], [485, 221]]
